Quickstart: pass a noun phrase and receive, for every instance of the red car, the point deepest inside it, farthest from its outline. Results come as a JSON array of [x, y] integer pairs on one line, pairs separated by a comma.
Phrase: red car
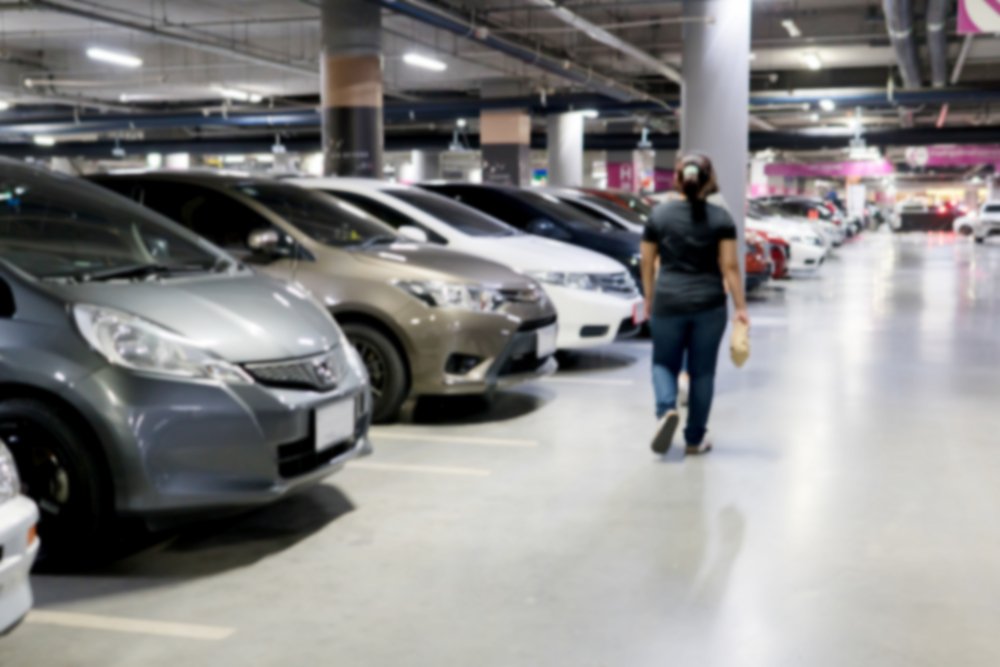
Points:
[[781, 250], [641, 205], [758, 262]]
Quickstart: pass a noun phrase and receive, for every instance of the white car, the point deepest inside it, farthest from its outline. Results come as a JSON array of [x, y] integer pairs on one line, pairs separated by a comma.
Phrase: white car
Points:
[[18, 545], [807, 245], [982, 224], [595, 297]]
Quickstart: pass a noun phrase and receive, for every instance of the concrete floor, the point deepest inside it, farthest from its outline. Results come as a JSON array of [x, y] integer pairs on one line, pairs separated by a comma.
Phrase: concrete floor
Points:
[[850, 515]]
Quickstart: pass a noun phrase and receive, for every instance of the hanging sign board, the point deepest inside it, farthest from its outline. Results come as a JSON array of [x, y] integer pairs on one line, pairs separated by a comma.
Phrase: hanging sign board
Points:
[[978, 16]]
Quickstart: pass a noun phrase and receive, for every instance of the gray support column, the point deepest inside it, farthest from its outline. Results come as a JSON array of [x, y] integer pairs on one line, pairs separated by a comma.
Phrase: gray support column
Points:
[[351, 88], [505, 137], [716, 92], [566, 149]]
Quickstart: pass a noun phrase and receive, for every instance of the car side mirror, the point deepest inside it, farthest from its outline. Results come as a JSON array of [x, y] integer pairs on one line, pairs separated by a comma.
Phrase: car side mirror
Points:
[[413, 233], [265, 242]]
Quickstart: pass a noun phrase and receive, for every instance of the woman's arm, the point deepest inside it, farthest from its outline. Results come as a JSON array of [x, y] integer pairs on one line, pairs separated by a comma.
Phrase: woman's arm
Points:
[[729, 263], [648, 255]]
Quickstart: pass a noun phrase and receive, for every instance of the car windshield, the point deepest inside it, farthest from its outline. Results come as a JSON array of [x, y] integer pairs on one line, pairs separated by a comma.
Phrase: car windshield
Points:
[[59, 227], [992, 208], [631, 215], [552, 208], [463, 218], [637, 205], [321, 216]]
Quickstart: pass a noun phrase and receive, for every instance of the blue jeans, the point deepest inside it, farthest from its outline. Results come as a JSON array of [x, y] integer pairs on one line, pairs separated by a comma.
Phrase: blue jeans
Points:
[[696, 337]]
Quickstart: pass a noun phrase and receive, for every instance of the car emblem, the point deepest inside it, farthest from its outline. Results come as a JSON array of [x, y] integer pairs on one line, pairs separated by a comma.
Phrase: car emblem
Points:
[[325, 371]]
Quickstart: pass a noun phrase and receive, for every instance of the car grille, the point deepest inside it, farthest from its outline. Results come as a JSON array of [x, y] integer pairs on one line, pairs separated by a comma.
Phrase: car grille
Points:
[[320, 373], [615, 283]]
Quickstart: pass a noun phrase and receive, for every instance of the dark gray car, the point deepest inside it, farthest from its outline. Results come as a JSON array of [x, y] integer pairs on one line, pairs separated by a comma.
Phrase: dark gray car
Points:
[[144, 372]]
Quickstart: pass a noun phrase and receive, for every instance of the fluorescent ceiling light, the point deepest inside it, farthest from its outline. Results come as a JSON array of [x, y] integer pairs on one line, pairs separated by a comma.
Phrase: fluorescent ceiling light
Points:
[[44, 140], [114, 57], [237, 94], [423, 62], [793, 30], [812, 60], [590, 113], [4, 105], [827, 105], [461, 122]]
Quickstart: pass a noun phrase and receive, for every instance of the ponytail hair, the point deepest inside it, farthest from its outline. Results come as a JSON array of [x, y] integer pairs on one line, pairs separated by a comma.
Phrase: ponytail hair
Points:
[[695, 179]]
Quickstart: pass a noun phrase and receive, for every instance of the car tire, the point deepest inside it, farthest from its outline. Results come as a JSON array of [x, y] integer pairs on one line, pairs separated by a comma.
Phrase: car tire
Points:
[[60, 471], [965, 230], [386, 369]]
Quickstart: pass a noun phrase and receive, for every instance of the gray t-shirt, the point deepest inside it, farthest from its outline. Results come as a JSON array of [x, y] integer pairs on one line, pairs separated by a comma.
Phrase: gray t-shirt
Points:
[[690, 279]]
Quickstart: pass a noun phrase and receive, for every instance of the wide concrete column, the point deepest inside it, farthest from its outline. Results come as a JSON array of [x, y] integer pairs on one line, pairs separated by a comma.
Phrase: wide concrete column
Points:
[[565, 147], [505, 139], [715, 96], [351, 87]]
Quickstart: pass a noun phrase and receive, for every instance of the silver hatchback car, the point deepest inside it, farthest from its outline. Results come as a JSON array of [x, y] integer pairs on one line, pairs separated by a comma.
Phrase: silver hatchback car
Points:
[[144, 372]]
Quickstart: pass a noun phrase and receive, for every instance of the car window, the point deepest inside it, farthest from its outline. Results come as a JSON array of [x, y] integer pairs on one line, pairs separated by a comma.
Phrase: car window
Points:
[[628, 214], [385, 214], [55, 226], [992, 208], [463, 218], [551, 208], [495, 204], [322, 217]]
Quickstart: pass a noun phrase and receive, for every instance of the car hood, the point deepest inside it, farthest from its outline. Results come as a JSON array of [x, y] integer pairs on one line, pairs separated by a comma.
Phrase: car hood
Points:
[[533, 253], [242, 318], [431, 262]]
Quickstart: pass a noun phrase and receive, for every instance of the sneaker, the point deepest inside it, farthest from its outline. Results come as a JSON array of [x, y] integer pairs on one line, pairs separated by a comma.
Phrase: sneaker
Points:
[[704, 447], [665, 432]]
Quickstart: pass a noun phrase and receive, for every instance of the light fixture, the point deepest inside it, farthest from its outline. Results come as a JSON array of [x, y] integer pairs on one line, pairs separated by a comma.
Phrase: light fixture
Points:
[[812, 60], [424, 62], [590, 113], [237, 94], [827, 104], [461, 123], [4, 105], [44, 140], [114, 57], [753, 56], [791, 28]]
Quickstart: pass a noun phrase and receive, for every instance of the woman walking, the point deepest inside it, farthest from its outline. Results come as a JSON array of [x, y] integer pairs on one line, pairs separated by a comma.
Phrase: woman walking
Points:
[[695, 242]]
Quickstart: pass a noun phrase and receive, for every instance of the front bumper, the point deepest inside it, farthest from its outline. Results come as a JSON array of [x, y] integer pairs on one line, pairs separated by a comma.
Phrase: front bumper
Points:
[[182, 446], [18, 549], [984, 230], [806, 257], [590, 318]]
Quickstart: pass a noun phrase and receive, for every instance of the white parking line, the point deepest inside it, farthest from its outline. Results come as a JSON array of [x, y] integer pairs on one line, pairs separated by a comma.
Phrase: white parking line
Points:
[[129, 625], [451, 439], [601, 382], [420, 469]]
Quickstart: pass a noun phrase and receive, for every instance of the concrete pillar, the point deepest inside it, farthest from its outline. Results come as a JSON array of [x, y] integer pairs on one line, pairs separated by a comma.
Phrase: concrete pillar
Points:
[[566, 149], [716, 92], [351, 87], [505, 138]]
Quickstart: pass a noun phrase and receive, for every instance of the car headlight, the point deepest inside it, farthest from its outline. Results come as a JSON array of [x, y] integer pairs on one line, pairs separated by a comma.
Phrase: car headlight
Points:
[[10, 483], [478, 298], [565, 279], [131, 342]]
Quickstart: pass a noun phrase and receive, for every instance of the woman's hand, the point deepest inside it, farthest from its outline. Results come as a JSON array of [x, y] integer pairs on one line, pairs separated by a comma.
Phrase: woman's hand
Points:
[[649, 307], [742, 316]]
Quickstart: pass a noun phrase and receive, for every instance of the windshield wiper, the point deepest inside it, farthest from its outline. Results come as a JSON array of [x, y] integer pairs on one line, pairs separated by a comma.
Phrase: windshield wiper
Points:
[[137, 271]]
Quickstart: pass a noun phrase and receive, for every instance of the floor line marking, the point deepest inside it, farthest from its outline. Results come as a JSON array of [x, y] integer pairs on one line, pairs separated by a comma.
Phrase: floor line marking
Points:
[[606, 382], [421, 469], [128, 625], [452, 439]]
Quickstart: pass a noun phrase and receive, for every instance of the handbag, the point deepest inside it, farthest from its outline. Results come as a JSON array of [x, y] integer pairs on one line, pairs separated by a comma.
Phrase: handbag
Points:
[[739, 344]]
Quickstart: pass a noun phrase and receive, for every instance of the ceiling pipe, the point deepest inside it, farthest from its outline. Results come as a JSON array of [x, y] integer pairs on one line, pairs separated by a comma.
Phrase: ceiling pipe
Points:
[[899, 24], [937, 41], [205, 45], [563, 68], [599, 34], [956, 72]]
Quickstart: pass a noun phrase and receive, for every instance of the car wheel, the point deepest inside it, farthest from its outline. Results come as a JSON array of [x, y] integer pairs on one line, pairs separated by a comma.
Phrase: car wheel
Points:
[[965, 230], [386, 369], [59, 472]]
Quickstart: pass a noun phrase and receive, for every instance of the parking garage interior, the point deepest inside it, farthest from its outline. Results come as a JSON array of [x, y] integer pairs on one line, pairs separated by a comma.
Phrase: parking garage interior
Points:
[[396, 407]]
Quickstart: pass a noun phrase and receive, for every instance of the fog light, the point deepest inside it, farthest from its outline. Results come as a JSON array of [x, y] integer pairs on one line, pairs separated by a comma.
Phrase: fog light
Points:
[[460, 364]]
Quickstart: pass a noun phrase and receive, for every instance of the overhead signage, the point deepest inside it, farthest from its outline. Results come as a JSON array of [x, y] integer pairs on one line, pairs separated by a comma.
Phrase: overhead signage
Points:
[[978, 16]]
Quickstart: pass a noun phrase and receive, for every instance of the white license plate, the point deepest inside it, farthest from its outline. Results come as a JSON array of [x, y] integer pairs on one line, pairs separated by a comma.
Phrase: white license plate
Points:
[[545, 345], [638, 312], [334, 424]]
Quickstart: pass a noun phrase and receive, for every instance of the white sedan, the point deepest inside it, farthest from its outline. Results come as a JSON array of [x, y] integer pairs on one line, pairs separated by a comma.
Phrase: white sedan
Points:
[[807, 246], [18, 545], [595, 296]]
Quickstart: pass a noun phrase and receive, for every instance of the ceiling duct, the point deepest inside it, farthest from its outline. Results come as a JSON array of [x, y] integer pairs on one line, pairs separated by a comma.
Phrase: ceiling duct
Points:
[[899, 24], [937, 41]]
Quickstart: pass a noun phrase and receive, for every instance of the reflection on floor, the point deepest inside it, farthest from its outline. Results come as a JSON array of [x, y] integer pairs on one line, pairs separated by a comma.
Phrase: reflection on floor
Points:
[[848, 517]]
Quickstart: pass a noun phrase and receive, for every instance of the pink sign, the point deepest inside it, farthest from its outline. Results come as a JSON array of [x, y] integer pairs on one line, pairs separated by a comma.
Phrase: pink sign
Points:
[[978, 16], [663, 180], [622, 176], [857, 168], [952, 155]]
